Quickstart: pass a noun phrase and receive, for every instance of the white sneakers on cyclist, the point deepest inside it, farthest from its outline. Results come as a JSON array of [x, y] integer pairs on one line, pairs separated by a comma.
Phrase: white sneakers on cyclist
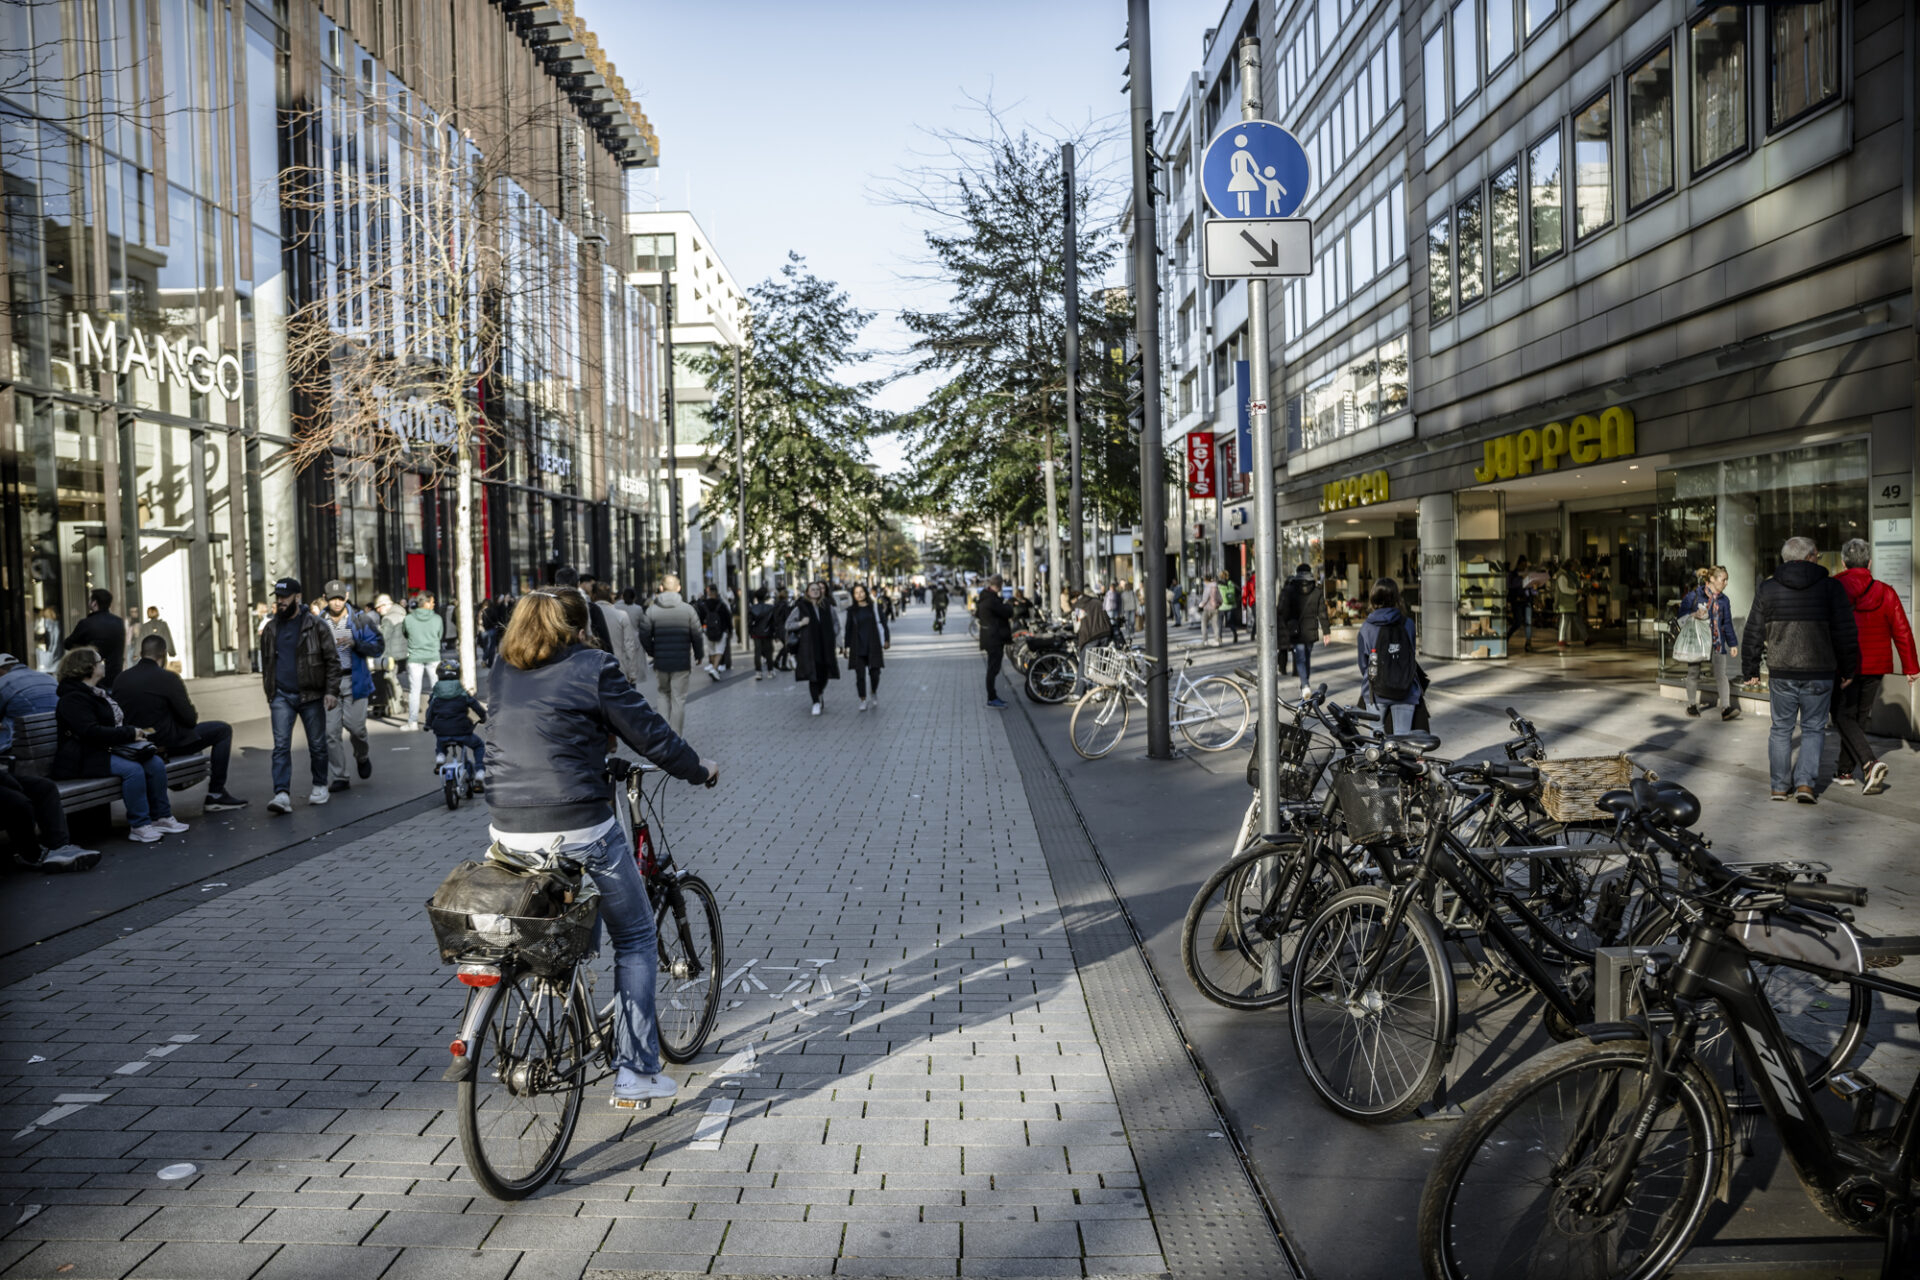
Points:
[[319, 795], [632, 1088]]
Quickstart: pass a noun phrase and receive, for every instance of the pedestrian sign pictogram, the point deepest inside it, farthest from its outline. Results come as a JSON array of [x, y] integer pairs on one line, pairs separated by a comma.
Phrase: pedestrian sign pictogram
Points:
[[1255, 169]]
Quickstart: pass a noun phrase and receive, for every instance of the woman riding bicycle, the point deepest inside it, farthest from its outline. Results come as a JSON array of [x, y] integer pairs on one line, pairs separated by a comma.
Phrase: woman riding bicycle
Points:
[[554, 702]]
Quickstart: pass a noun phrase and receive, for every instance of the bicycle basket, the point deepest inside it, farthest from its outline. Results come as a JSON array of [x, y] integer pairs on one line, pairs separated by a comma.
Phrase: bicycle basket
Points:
[[543, 920], [1304, 757], [1570, 789], [1373, 808], [1106, 664]]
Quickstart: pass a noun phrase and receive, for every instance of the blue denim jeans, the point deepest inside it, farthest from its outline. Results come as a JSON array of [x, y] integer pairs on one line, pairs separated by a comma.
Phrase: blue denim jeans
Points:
[[1807, 701], [1303, 662], [471, 741], [1399, 716], [285, 709], [143, 785], [627, 917]]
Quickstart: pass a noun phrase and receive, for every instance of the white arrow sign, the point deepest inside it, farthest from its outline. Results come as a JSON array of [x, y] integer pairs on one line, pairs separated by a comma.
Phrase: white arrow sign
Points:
[[1257, 248]]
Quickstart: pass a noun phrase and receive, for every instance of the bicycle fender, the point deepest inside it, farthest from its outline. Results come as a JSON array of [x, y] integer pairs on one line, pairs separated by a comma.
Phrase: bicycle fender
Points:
[[1613, 1032], [1608, 1032], [480, 1002]]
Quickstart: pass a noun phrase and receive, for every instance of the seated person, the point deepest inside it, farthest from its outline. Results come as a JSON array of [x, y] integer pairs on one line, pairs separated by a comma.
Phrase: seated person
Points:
[[155, 699], [91, 726], [30, 809], [449, 721]]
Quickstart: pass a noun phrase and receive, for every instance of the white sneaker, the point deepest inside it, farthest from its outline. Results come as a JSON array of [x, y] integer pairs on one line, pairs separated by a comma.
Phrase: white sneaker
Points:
[[479, 775], [147, 834], [874, 701], [412, 726], [319, 795], [863, 704], [1306, 691], [281, 803], [816, 708], [439, 757], [171, 825], [628, 1094]]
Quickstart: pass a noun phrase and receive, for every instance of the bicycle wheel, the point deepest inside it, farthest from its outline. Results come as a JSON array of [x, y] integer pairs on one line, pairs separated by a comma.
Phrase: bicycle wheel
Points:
[[973, 628], [686, 996], [1826, 1022], [1511, 1192], [518, 1108], [1099, 721], [1239, 939], [1050, 679], [1376, 1053], [452, 793], [1020, 655], [1212, 713]]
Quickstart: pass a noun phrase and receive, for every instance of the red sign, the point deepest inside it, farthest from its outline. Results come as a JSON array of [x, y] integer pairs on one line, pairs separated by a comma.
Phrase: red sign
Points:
[[1200, 477]]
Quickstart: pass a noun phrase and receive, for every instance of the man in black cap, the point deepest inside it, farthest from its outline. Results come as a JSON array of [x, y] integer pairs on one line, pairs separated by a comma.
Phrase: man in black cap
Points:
[[300, 667]]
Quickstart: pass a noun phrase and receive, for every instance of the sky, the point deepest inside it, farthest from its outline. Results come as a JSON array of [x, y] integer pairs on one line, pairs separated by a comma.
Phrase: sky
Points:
[[779, 121]]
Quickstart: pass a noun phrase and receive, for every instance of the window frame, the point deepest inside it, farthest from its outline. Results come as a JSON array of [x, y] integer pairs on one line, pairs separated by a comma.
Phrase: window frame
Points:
[[1695, 18], [1444, 225], [1458, 102], [1665, 45], [1494, 282], [1526, 36], [1513, 37], [1840, 72], [1573, 139], [1439, 37], [1535, 259], [1477, 196]]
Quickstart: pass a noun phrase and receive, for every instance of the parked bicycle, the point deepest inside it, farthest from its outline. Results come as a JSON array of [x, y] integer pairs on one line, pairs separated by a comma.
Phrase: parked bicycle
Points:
[[1600, 1157], [1211, 712], [530, 1041]]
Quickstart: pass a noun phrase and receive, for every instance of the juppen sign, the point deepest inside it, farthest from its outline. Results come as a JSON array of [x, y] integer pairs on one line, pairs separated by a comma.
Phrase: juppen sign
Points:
[[1584, 440]]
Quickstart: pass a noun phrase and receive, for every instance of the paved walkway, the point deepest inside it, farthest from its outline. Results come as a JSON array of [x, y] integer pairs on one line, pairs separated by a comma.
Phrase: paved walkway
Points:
[[250, 1089]]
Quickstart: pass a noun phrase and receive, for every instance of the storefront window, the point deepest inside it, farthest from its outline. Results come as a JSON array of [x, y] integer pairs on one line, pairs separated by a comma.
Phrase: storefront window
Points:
[[1719, 43], [1803, 59], [1593, 166], [1650, 128]]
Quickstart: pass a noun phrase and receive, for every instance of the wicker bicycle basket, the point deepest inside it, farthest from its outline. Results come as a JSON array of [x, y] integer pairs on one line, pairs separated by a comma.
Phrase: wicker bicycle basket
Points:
[[1570, 789], [1106, 664]]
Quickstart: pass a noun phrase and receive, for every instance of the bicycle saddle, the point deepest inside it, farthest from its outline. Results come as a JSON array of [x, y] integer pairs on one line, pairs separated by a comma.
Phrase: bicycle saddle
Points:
[[1670, 801], [1417, 741]]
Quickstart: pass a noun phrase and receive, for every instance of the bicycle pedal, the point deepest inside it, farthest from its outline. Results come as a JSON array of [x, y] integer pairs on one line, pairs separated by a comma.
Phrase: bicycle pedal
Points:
[[631, 1104]]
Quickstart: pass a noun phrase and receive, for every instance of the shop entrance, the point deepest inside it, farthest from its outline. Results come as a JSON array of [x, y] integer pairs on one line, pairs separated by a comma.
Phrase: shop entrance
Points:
[[1350, 551]]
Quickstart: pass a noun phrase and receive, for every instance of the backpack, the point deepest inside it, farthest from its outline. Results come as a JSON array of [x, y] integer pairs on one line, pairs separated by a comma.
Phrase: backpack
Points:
[[760, 621], [1390, 674]]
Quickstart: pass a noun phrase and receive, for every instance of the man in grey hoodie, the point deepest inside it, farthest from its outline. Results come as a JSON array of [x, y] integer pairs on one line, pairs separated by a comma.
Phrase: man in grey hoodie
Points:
[[674, 642]]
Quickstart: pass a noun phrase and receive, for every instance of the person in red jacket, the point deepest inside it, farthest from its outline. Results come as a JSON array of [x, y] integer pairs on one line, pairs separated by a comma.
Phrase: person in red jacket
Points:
[[1883, 630]]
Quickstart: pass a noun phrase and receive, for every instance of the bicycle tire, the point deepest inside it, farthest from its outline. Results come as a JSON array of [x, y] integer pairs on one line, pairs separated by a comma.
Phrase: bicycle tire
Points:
[[452, 793], [1050, 679], [1241, 932], [686, 1004], [1330, 1019], [973, 628], [1546, 1233], [1020, 656], [1825, 1028], [532, 1045], [1093, 730], [1227, 710]]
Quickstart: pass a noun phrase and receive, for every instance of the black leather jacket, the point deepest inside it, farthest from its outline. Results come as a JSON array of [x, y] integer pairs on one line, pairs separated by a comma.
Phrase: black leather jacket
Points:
[[546, 736]]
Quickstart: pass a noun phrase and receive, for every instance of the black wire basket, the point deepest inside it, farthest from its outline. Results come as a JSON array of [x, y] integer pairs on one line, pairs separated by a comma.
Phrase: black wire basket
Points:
[[546, 946], [1304, 757], [1373, 808]]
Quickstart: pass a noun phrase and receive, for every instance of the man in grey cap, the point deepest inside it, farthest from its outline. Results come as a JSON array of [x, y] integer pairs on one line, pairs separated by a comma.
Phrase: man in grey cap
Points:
[[30, 810], [356, 634]]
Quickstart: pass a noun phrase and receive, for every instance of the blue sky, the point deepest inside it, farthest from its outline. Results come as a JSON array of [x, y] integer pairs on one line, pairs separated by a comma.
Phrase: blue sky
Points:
[[777, 120]]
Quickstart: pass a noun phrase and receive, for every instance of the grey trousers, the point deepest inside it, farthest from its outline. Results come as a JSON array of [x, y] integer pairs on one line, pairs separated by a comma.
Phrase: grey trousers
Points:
[[673, 696], [349, 713]]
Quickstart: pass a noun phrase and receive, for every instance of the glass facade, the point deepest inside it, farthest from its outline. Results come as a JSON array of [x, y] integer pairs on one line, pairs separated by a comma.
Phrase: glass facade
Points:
[[148, 434]]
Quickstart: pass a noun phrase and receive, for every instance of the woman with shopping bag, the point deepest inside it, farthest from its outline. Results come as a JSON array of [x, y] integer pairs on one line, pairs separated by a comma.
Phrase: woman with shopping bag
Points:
[[1704, 637]]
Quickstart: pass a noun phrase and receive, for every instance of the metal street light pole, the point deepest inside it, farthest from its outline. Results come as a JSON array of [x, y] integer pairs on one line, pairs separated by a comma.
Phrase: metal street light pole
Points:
[[1266, 557], [1054, 580], [1076, 576], [678, 546], [1153, 487], [740, 522]]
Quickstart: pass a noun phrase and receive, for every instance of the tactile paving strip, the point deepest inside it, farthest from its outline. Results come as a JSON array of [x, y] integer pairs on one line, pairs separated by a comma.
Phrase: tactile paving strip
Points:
[[1212, 1222]]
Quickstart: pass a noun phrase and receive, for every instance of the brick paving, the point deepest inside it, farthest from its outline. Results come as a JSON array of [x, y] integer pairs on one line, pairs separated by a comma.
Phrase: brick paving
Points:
[[915, 1084]]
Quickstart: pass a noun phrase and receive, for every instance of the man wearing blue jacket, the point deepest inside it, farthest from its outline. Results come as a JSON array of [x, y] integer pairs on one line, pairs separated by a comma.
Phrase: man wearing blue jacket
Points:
[[356, 633]]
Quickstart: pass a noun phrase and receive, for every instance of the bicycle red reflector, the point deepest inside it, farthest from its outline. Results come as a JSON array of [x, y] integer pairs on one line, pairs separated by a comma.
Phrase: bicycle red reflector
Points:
[[458, 1048], [476, 975]]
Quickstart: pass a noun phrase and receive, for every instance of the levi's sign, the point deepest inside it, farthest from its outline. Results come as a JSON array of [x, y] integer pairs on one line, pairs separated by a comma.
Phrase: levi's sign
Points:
[[1584, 440], [186, 362]]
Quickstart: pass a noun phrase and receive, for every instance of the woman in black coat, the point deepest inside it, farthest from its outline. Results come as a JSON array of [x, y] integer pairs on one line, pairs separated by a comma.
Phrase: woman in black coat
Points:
[[867, 636], [91, 724], [811, 633]]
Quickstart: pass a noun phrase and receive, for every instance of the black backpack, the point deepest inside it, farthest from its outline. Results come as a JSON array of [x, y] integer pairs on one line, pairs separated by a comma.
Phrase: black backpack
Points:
[[760, 621], [1390, 664]]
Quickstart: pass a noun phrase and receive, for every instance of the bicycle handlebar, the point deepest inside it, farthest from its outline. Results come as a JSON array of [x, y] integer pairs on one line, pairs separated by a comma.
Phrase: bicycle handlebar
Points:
[[1845, 895]]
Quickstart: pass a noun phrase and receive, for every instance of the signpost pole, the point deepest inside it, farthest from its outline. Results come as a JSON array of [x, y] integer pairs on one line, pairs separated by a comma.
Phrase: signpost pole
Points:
[[1153, 484], [1054, 580], [742, 588], [1075, 576], [1266, 555]]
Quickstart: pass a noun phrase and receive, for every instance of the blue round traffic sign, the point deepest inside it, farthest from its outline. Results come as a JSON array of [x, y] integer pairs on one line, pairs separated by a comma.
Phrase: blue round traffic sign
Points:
[[1255, 169]]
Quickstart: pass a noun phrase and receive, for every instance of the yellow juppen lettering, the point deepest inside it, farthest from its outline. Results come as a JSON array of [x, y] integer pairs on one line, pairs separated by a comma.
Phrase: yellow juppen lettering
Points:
[[1553, 445], [1584, 439], [1526, 450]]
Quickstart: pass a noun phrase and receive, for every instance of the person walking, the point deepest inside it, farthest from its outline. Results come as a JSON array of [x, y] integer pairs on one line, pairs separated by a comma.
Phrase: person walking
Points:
[[636, 612], [996, 632], [862, 644], [102, 630], [1387, 666], [1520, 602], [1802, 625], [1884, 631], [390, 670], [1303, 622], [300, 669], [760, 630], [812, 631], [783, 647], [625, 641], [97, 742], [1708, 603], [673, 641], [1209, 601], [424, 630], [553, 703], [154, 625], [717, 618], [356, 634], [155, 699], [30, 810], [1230, 605], [940, 602], [1566, 603]]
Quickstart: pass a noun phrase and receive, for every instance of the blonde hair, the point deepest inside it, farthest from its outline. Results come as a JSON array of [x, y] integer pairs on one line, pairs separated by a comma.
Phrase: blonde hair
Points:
[[543, 624], [1711, 572]]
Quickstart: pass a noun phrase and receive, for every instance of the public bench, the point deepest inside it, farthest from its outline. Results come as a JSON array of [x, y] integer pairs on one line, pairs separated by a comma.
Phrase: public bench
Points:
[[35, 738]]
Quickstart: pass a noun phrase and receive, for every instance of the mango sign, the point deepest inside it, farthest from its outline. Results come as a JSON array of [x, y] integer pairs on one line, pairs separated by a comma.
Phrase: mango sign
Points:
[[1583, 441], [1355, 491]]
